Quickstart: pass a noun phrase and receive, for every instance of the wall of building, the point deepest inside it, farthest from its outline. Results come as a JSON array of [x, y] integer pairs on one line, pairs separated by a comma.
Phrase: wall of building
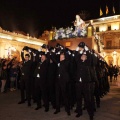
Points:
[[73, 43], [12, 43]]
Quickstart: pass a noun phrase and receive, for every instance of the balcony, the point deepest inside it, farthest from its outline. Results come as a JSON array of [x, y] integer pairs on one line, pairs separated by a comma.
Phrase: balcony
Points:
[[112, 47]]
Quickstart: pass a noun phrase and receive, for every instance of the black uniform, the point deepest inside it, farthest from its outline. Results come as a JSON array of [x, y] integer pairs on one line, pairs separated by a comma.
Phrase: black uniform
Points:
[[25, 82], [84, 84], [40, 75], [62, 85], [51, 82]]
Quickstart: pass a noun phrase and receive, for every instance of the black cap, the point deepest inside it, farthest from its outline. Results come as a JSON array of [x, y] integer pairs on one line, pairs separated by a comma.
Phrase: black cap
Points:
[[44, 46], [27, 55], [43, 53], [81, 44], [57, 45], [51, 48]]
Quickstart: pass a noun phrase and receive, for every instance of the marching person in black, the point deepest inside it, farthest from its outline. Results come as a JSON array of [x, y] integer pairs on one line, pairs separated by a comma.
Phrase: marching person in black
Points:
[[40, 75], [115, 72], [51, 80], [111, 71], [84, 84], [25, 82], [62, 82]]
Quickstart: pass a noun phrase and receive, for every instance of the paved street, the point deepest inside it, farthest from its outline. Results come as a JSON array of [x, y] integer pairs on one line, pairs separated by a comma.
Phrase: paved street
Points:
[[10, 110]]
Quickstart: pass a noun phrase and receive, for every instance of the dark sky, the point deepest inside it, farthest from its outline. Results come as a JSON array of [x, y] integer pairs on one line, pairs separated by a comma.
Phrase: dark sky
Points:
[[35, 16]]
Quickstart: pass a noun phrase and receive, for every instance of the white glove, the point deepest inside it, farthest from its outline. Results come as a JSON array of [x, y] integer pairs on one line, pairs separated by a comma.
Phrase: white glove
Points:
[[77, 48], [69, 52], [73, 55], [34, 54], [86, 48], [58, 64], [29, 50], [58, 53]]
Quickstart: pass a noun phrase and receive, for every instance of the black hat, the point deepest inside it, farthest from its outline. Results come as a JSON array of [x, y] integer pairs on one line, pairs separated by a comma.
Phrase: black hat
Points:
[[27, 55], [81, 44], [26, 48], [57, 45], [51, 48], [44, 46], [42, 53]]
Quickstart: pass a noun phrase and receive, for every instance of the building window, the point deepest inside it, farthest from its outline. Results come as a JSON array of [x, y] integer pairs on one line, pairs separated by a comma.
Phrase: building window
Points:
[[97, 29], [109, 44], [109, 27]]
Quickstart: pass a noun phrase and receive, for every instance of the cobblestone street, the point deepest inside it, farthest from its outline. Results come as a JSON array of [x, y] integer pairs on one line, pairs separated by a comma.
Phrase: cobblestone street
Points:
[[10, 110]]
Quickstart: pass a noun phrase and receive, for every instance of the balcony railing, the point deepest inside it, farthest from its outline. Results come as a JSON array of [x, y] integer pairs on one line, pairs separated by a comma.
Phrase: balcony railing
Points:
[[112, 47]]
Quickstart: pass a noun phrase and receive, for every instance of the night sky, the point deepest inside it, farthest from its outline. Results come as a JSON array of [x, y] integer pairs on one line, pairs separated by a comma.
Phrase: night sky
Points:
[[35, 16]]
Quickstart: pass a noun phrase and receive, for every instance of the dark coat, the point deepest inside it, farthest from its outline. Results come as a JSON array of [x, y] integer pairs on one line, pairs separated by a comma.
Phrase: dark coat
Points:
[[83, 68], [42, 70], [63, 75], [26, 69]]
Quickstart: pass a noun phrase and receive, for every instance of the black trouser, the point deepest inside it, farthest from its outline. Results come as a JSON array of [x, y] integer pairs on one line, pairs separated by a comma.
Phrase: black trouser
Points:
[[33, 88], [25, 87], [97, 96], [85, 90], [51, 93], [41, 93], [111, 78], [62, 90]]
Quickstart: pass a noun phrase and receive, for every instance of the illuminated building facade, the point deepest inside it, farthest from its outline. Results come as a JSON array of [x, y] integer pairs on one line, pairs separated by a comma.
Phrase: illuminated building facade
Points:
[[108, 30], [12, 43]]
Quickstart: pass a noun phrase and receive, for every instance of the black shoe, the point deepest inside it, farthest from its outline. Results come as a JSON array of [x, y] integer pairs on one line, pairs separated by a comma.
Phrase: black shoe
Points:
[[37, 108], [68, 113], [84, 108], [34, 101], [94, 109], [46, 109], [21, 102], [78, 115], [91, 117], [57, 111], [98, 106], [75, 111], [29, 104]]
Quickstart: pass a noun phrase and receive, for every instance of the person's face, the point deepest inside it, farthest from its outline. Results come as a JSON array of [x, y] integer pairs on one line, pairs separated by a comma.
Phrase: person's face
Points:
[[83, 57], [26, 58], [43, 58], [80, 48], [62, 57]]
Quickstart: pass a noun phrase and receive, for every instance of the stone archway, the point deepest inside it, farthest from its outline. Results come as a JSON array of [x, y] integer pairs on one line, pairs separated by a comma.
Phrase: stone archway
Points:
[[109, 59]]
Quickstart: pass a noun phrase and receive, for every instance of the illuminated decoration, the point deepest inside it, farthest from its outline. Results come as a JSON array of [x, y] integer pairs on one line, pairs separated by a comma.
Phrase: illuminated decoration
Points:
[[115, 26], [69, 32]]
